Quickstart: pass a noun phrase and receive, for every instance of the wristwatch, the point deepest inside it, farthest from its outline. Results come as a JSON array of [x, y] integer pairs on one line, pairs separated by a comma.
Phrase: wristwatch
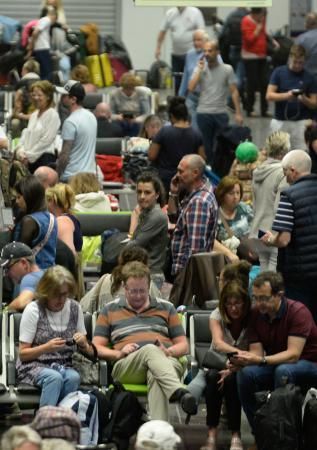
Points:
[[263, 361]]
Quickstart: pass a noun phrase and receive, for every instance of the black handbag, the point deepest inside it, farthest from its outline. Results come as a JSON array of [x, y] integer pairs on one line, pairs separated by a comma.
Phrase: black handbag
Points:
[[214, 360]]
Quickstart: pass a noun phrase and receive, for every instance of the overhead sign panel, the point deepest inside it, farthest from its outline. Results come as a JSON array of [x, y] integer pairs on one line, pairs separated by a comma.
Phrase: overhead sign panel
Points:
[[222, 3]]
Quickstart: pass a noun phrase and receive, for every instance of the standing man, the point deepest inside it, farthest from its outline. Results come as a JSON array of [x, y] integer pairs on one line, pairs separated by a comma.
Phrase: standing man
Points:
[[197, 214], [308, 40], [182, 21], [282, 343], [19, 265], [79, 133], [214, 80], [192, 57], [294, 91], [295, 225], [149, 352]]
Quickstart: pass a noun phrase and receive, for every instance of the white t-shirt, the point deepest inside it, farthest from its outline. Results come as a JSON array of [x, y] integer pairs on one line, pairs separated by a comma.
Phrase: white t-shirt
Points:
[[182, 25], [43, 40], [58, 321], [40, 134]]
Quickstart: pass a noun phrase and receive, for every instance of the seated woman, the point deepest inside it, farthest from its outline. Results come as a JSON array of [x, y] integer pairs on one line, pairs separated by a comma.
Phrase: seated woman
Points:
[[174, 141], [38, 139], [35, 226], [228, 330], [51, 327], [61, 199], [109, 286], [235, 217], [128, 105], [81, 73], [89, 197], [149, 224]]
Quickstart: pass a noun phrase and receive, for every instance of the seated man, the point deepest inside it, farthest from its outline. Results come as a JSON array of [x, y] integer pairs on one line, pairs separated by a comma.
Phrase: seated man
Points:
[[19, 263], [106, 128], [282, 342], [147, 340], [47, 176]]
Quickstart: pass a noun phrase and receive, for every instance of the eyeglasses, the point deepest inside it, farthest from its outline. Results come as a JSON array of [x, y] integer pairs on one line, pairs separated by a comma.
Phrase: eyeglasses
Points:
[[261, 298], [234, 305], [136, 291], [7, 268]]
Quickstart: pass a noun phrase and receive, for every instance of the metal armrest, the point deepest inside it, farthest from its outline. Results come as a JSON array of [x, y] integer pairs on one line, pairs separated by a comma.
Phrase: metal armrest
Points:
[[194, 368], [103, 373], [11, 373]]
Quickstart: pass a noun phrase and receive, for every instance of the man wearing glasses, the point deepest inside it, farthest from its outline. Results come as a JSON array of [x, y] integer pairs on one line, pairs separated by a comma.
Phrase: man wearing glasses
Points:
[[18, 263], [282, 343], [147, 339]]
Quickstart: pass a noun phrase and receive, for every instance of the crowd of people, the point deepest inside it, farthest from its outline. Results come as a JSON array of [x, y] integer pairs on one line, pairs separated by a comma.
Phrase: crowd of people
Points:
[[264, 327]]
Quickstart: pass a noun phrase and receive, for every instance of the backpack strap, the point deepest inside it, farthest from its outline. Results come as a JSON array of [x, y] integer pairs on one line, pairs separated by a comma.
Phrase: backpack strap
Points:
[[41, 244], [225, 224]]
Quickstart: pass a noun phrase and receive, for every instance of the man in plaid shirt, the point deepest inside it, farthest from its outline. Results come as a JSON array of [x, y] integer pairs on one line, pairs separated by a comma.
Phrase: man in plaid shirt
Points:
[[197, 213]]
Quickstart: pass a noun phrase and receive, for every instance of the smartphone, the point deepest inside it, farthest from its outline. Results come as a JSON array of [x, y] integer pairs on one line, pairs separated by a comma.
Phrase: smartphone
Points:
[[231, 354], [261, 233], [157, 342], [70, 342], [128, 115]]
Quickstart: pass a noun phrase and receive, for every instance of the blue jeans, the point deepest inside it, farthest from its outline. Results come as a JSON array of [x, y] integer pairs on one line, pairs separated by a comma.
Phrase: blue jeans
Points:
[[252, 379], [55, 386], [210, 126]]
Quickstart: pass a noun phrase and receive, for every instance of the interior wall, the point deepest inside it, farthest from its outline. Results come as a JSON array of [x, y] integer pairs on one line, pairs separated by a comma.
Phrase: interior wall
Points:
[[140, 26]]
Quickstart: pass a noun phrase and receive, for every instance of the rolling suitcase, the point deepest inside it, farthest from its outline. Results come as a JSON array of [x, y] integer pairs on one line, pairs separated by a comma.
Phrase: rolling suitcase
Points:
[[106, 69], [94, 67]]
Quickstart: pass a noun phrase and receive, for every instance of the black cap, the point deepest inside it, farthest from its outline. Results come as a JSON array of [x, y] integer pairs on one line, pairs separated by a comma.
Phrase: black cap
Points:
[[73, 88], [14, 251]]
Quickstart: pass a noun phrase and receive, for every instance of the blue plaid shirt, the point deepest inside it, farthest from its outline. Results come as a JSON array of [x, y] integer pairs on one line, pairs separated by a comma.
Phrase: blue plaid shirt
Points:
[[196, 226]]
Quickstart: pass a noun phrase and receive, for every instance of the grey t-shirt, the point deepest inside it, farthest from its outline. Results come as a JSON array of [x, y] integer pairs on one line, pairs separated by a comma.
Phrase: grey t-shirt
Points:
[[214, 87], [80, 127]]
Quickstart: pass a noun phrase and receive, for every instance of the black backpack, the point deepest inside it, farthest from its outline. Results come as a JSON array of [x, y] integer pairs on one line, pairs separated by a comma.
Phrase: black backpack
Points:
[[157, 69], [124, 416], [278, 419]]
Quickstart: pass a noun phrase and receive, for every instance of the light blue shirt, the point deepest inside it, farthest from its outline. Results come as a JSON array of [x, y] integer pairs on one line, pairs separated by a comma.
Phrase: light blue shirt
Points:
[[80, 127]]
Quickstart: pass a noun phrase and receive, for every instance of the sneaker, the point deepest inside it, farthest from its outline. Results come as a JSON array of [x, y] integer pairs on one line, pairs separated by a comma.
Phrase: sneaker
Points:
[[189, 404], [252, 114]]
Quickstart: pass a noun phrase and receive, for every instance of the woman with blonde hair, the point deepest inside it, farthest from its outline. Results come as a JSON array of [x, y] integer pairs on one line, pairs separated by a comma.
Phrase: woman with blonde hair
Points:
[[58, 5], [81, 73], [268, 180], [51, 328], [128, 105], [61, 200], [89, 196], [38, 139]]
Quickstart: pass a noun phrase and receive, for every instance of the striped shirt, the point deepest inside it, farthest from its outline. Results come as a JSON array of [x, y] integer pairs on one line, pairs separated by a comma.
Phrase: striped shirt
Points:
[[284, 217], [121, 325], [196, 226]]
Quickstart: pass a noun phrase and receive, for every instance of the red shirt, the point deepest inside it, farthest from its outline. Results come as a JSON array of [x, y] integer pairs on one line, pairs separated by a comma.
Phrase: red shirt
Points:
[[250, 43], [293, 319]]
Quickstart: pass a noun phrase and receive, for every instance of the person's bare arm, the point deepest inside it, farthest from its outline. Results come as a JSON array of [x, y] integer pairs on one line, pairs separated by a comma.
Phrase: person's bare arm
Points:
[[154, 151], [273, 96], [217, 338], [29, 353], [236, 101], [279, 240], [64, 156], [65, 231], [201, 152], [193, 82], [20, 302], [160, 39], [219, 247], [310, 101]]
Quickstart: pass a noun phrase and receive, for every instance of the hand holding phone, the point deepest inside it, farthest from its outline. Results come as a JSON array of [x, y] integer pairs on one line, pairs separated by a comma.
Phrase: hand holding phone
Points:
[[231, 355], [261, 233]]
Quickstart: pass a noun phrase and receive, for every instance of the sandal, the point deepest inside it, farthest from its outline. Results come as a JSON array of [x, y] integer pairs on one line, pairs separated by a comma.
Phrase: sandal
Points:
[[210, 444], [236, 443]]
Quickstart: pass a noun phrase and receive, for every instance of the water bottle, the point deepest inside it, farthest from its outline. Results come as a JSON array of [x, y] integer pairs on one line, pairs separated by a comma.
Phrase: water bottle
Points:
[[59, 368]]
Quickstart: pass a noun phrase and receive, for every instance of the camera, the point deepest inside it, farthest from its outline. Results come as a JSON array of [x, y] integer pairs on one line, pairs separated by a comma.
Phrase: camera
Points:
[[297, 92]]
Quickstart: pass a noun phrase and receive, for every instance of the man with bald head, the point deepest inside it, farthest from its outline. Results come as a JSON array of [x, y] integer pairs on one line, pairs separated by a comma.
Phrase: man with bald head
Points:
[[196, 214], [295, 225], [106, 128], [47, 176]]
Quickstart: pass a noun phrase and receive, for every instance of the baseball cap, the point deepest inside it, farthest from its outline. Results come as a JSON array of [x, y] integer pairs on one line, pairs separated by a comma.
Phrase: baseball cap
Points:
[[73, 88], [14, 251], [157, 434]]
